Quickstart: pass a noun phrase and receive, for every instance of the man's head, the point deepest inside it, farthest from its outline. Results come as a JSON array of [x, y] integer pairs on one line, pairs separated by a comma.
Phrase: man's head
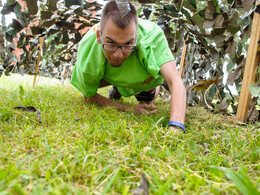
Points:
[[111, 12], [118, 30]]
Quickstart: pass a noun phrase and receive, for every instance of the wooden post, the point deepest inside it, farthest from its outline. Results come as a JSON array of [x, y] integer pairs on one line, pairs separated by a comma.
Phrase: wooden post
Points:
[[250, 69], [183, 57], [38, 60], [64, 74], [65, 69]]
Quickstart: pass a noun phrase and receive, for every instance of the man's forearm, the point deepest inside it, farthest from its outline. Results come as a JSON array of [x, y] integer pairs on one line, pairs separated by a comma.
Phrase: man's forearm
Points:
[[104, 102], [139, 109], [178, 102], [178, 91]]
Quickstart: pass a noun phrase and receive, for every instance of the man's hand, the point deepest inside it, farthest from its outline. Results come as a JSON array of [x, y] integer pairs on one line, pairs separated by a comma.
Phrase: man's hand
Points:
[[145, 109], [103, 102], [175, 129]]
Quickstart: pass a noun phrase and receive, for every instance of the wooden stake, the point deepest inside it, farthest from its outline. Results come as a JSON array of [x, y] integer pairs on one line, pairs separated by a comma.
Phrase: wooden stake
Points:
[[64, 74], [183, 57], [65, 69], [38, 60], [250, 69]]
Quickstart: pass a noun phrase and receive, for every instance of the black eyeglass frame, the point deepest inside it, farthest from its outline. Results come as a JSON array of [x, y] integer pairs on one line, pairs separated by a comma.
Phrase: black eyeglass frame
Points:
[[121, 47]]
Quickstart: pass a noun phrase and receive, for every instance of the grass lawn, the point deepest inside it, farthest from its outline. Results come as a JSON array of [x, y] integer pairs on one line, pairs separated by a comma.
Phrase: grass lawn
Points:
[[81, 148]]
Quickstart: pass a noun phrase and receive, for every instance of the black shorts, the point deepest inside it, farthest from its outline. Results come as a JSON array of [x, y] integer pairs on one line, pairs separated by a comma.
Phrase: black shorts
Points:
[[146, 96]]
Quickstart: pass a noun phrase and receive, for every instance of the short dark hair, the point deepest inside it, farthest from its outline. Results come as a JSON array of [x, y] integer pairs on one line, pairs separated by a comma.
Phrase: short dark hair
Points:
[[110, 11]]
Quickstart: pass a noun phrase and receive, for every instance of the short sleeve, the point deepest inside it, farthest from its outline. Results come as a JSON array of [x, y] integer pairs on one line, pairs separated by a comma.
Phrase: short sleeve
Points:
[[153, 48], [86, 83], [90, 65]]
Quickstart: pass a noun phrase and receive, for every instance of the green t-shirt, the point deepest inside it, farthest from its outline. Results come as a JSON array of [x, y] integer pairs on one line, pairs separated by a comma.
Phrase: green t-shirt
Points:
[[139, 72]]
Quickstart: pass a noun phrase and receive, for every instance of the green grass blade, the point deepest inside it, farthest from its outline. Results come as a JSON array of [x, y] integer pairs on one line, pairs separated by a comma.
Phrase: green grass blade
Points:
[[107, 187], [241, 180]]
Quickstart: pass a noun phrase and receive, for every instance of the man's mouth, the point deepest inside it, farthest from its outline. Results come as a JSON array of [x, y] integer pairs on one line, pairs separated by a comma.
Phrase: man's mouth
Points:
[[115, 63]]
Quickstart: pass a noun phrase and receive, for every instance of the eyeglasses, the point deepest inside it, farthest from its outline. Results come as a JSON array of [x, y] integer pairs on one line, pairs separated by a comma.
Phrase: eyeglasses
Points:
[[114, 47]]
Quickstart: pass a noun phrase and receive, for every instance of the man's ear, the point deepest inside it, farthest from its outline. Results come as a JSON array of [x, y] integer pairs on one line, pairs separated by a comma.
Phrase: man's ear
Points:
[[98, 36]]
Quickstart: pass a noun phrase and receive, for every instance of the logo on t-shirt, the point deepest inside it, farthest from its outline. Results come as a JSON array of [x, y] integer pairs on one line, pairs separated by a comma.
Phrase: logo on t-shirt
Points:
[[148, 80]]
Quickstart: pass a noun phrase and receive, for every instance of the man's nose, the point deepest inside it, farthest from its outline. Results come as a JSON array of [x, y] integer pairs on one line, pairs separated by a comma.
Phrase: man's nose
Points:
[[118, 53]]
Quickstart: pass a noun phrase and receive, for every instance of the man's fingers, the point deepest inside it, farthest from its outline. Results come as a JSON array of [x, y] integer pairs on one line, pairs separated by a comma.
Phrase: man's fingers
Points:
[[145, 109], [147, 106], [150, 112], [175, 129]]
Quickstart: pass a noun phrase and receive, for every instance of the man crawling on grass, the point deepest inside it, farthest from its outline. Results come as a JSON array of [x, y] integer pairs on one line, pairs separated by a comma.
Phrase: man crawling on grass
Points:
[[132, 55]]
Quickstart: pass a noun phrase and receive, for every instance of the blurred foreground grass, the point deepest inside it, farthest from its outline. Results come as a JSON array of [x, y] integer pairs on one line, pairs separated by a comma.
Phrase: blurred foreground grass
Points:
[[81, 148]]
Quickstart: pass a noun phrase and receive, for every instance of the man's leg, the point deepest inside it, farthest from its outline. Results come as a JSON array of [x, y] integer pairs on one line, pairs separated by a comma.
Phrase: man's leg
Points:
[[103, 83], [148, 97], [113, 92]]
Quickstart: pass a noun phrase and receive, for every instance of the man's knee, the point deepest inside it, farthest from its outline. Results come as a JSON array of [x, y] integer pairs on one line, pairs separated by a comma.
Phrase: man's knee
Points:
[[148, 96], [103, 83]]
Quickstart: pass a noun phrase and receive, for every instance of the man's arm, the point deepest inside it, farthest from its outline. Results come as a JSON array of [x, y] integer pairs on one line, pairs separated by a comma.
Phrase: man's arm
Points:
[[103, 102], [178, 91]]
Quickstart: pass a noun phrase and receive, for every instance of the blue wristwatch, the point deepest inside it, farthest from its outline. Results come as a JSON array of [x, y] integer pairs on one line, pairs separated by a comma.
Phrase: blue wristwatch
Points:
[[177, 124]]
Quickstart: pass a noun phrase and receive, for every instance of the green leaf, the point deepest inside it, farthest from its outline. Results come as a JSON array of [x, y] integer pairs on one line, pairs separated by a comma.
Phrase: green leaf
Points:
[[231, 49], [147, 12], [239, 49], [69, 3], [233, 29], [197, 20], [186, 13], [20, 41], [36, 30], [139, 11], [48, 150], [255, 90], [198, 181], [16, 189], [215, 2], [21, 91], [219, 21], [110, 182], [208, 23], [171, 10], [146, 1], [45, 15], [194, 148], [32, 6], [17, 11], [241, 180], [10, 2], [245, 22], [219, 40], [65, 37], [17, 25], [230, 66], [193, 3], [189, 6], [12, 32], [52, 5], [215, 171]]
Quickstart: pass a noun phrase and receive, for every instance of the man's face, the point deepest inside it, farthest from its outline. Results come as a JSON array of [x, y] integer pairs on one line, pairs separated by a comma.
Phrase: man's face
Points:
[[114, 35]]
